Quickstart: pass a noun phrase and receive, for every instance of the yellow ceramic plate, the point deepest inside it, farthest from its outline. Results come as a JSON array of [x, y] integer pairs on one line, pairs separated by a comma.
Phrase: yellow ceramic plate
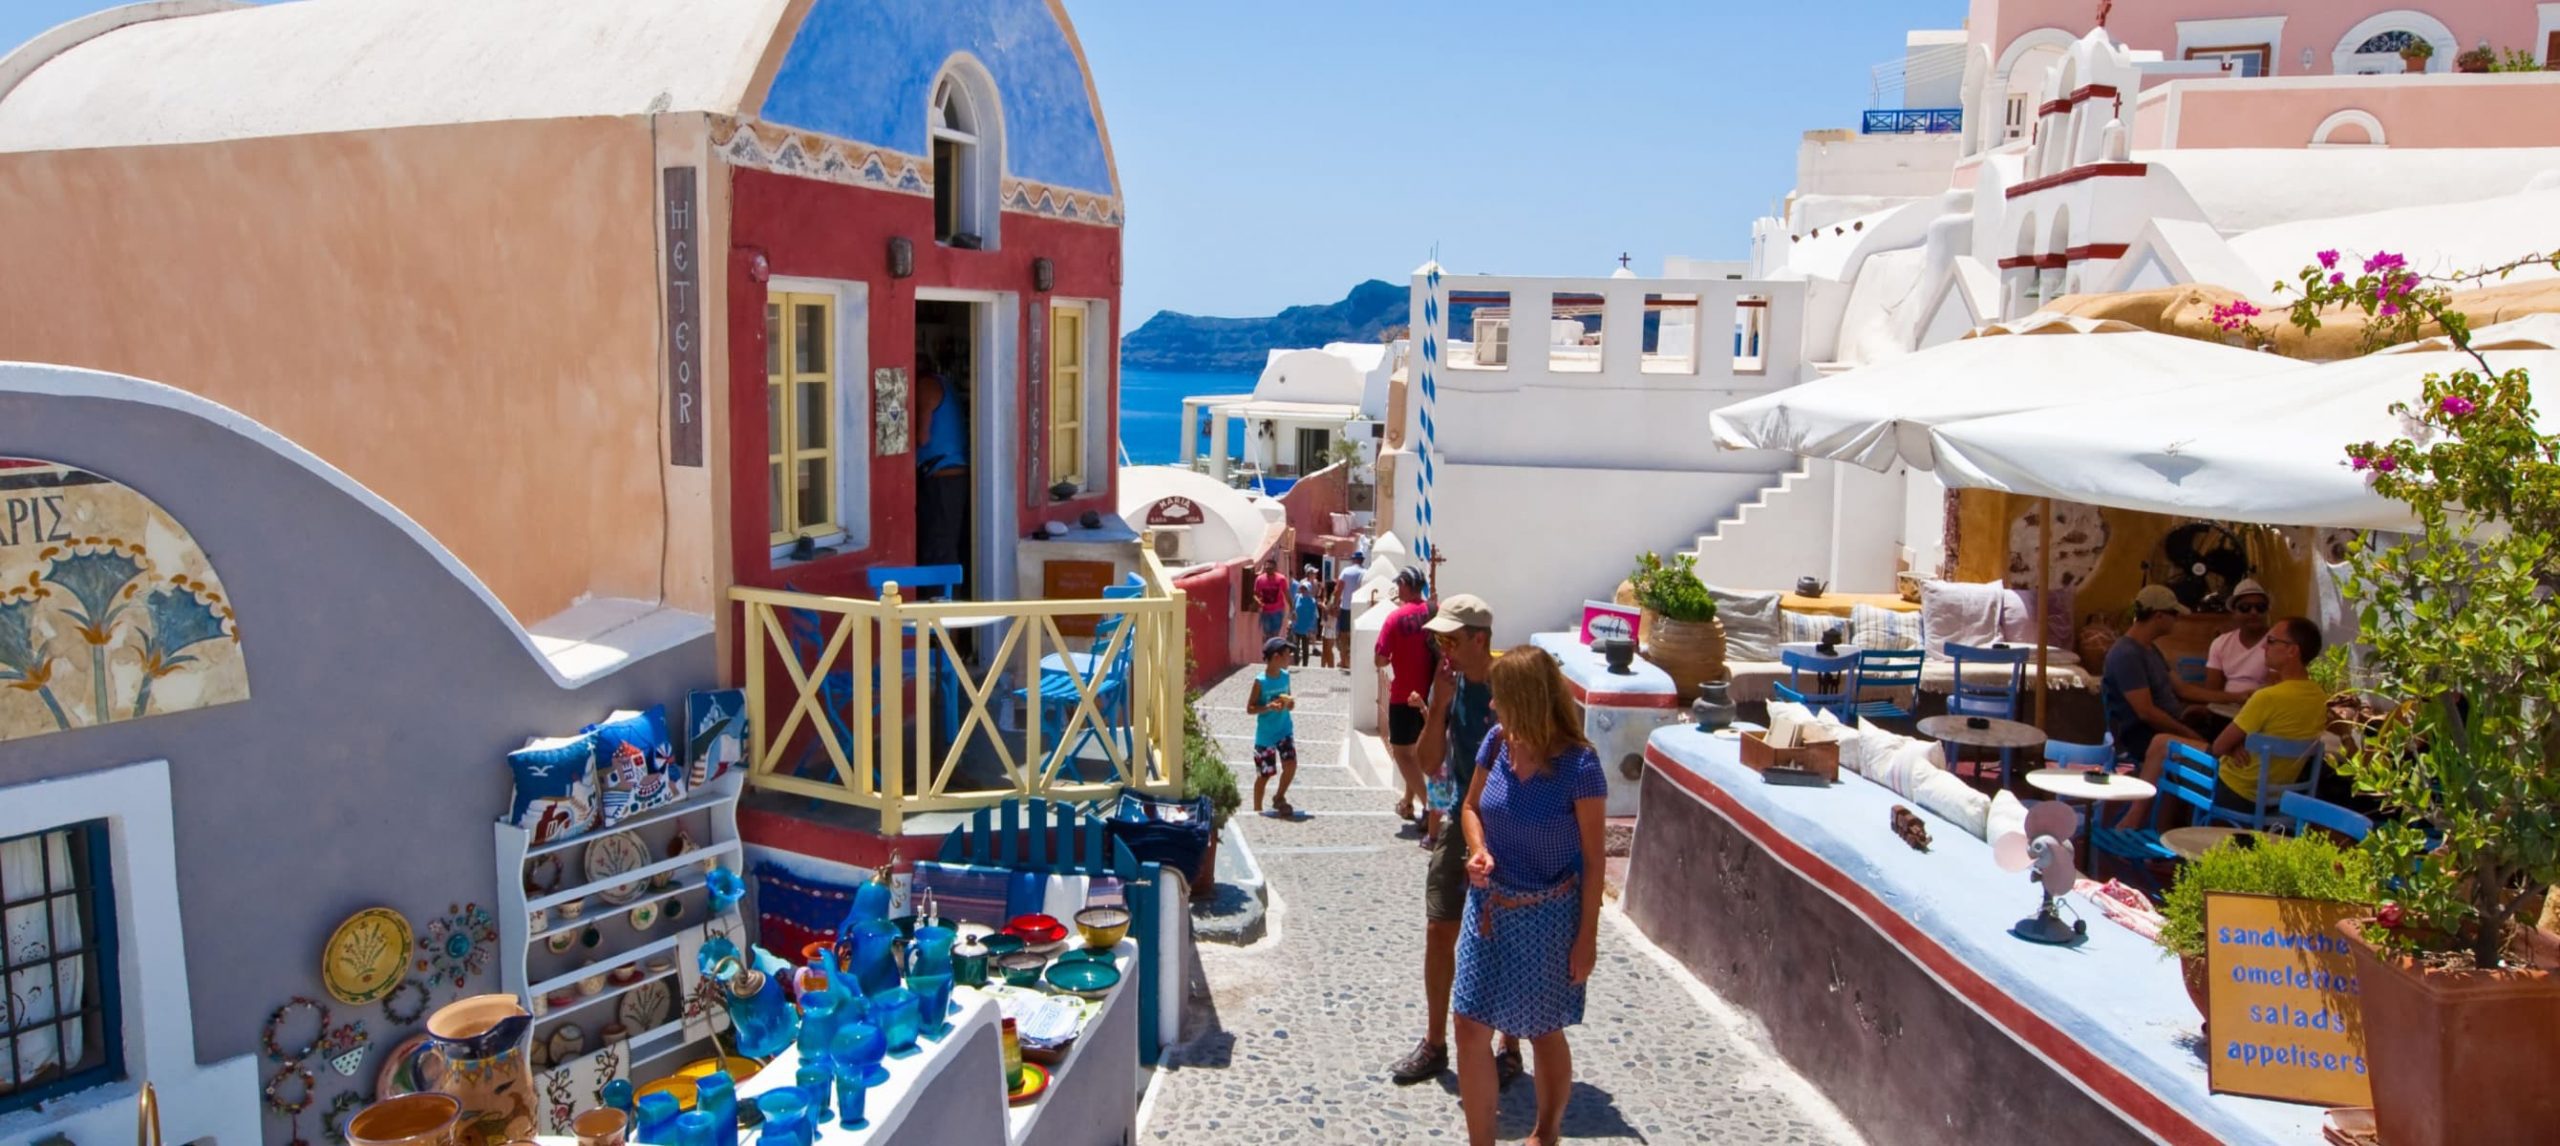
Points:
[[366, 955], [680, 1084]]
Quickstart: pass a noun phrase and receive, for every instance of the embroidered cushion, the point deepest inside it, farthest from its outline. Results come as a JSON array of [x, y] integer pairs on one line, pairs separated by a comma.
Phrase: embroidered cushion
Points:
[[1751, 628], [555, 795], [1807, 628], [1880, 628], [638, 763], [715, 734]]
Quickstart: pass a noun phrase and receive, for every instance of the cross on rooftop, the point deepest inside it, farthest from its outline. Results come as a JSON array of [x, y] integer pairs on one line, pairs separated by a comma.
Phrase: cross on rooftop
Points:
[[1624, 259]]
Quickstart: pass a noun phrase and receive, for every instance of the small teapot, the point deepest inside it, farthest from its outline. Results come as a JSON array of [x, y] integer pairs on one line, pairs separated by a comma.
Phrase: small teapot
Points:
[[1808, 587]]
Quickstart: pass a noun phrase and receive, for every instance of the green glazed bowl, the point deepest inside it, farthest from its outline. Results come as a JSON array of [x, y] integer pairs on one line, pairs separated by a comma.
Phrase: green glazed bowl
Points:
[[1084, 977], [1000, 945], [1022, 968]]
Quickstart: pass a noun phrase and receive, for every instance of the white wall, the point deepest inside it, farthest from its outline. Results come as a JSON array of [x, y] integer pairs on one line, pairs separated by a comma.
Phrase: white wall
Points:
[[216, 1101], [1842, 162]]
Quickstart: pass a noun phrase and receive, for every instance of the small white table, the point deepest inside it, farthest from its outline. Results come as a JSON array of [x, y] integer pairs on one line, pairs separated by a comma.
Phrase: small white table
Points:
[[2192, 843], [2075, 784]]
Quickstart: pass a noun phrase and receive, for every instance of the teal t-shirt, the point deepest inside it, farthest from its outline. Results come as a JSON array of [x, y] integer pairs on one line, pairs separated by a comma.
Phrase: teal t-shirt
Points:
[[1271, 726]]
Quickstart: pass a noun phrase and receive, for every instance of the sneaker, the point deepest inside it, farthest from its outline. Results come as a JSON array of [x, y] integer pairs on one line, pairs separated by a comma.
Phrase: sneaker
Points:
[[1507, 1068], [1423, 1063]]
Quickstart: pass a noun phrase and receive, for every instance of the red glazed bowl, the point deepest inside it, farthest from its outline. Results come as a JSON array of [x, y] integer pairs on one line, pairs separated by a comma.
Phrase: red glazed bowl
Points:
[[1037, 930]]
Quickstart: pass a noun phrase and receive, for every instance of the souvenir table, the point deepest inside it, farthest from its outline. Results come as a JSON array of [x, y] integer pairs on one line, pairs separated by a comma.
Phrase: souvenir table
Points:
[[1618, 712], [1768, 891], [952, 1090]]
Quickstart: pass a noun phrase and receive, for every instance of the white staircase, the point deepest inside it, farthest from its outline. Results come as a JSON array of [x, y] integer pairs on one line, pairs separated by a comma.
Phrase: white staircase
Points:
[[1781, 534]]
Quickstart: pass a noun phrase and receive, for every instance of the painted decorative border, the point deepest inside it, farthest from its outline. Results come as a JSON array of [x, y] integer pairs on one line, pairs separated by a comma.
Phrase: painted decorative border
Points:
[[768, 148]]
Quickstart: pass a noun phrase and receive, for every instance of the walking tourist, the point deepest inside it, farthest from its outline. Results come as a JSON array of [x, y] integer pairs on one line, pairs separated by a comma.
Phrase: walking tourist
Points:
[[1404, 650], [2143, 699], [1306, 609], [1461, 713], [1531, 932], [1328, 635], [2288, 707], [1346, 584], [1271, 595], [1275, 729]]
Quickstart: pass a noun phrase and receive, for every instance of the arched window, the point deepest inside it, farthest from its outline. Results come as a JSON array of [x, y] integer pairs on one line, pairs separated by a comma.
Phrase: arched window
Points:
[[2388, 43], [966, 131]]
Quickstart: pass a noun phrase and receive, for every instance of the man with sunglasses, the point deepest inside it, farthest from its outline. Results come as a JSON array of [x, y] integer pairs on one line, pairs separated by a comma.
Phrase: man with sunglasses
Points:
[[2235, 665]]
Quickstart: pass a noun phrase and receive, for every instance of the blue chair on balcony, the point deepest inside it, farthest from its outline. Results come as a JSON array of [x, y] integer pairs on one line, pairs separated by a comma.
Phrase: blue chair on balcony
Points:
[[2307, 813], [925, 583], [1832, 685], [2186, 777], [1104, 672], [808, 636], [2267, 749], [1890, 670]]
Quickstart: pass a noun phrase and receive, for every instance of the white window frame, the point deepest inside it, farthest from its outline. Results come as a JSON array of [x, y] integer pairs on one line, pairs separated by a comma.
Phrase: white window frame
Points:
[[852, 350], [2344, 59], [2217, 39], [219, 1100], [979, 183]]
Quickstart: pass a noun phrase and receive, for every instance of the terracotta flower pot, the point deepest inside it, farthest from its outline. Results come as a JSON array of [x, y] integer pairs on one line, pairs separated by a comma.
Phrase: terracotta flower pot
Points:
[[1690, 652], [2458, 1056], [2191, 969]]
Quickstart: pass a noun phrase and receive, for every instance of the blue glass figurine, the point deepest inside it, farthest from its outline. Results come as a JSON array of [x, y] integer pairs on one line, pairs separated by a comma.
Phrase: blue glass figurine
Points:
[[657, 1119], [786, 1117]]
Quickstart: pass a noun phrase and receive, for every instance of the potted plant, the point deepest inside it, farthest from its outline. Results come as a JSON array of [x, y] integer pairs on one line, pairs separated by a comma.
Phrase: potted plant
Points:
[[2462, 627], [2476, 60], [1679, 630], [2415, 54], [2305, 867]]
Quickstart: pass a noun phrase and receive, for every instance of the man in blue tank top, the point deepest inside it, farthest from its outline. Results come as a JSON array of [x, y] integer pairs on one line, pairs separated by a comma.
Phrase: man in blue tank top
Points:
[[942, 472]]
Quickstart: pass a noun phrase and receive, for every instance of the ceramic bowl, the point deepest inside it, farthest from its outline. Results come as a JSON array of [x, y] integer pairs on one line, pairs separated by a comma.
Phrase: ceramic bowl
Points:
[[1000, 944], [625, 975], [571, 909], [1022, 968], [561, 943], [561, 998], [1040, 933], [591, 986], [1103, 927], [661, 964], [1089, 978]]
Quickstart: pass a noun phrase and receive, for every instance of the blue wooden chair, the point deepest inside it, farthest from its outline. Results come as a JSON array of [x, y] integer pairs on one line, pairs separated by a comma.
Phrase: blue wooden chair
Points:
[[835, 689], [1833, 687], [1056, 838], [1105, 673], [2267, 749], [2307, 813], [925, 583], [2191, 669], [2099, 757], [1976, 688], [2186, 777], [1889, 669]]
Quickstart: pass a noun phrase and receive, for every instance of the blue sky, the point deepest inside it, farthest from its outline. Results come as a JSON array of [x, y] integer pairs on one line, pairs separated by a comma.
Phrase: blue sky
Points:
[[1275, 154]]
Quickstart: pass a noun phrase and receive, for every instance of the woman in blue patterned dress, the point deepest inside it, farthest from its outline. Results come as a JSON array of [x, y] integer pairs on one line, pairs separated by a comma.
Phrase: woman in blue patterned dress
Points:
[[1532, 818]]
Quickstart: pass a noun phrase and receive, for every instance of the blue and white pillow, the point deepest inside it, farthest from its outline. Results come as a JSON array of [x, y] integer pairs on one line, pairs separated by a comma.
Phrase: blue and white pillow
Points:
[[715, 734], [1807, 628], [638, 761], [555, 795], [1881, 628]]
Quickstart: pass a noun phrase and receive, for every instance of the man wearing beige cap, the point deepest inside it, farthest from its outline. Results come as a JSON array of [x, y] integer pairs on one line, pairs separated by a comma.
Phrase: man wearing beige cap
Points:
[[1459, 715], [2143, 698]]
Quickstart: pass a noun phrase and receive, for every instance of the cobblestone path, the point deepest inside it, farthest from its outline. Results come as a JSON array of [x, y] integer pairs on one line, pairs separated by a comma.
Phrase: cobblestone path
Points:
[[1305, 1023]]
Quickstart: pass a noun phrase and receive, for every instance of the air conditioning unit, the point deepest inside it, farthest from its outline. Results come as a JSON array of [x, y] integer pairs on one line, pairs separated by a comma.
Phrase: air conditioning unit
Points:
[[1493, 341], [1173, 543]]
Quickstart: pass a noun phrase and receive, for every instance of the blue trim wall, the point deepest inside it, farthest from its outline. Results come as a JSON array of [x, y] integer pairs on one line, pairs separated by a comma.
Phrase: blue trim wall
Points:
[[861, 70]]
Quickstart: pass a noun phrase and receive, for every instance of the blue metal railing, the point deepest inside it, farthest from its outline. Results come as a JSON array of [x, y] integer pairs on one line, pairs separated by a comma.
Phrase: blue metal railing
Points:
[[1913, 121]]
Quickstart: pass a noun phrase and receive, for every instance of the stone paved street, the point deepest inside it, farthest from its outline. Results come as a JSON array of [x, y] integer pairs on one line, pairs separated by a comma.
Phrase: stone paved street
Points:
[[1303, 1024]]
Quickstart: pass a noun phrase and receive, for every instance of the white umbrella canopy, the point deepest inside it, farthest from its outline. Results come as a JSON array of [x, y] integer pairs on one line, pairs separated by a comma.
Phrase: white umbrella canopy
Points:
[[2271, 451], [1877, 415]]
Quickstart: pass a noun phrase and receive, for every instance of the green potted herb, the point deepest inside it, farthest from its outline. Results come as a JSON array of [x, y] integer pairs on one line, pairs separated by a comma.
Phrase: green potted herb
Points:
[[2306, 867], [2415, 54], [2476, 60], [1680, 632]]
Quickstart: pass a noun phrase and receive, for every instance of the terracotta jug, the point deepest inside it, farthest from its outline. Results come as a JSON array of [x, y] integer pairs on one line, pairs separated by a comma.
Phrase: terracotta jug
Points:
[[477, 1052], [423, 1119]]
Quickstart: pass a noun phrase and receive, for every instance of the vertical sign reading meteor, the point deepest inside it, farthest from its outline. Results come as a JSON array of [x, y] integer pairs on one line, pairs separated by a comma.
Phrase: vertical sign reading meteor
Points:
[[684, 322]]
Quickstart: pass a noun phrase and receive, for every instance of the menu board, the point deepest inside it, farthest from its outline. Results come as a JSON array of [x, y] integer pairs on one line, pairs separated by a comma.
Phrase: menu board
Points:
[[2286, 1022]]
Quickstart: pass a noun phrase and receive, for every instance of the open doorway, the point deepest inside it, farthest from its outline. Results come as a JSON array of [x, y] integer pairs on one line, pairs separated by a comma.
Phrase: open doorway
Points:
[[947, 372]]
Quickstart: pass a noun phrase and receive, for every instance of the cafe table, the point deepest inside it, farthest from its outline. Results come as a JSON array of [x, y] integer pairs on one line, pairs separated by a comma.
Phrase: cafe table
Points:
[[2191, 843], [2005, 735], [2077, 784]]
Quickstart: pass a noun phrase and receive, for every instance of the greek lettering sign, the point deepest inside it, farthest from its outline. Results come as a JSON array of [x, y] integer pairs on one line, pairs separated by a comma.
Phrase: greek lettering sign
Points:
[[110, 613], [684, 321], [1175, 510], [2287, 1019]]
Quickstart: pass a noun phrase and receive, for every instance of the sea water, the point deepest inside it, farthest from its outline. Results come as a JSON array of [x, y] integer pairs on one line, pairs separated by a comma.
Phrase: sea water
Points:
[[1151, 411]]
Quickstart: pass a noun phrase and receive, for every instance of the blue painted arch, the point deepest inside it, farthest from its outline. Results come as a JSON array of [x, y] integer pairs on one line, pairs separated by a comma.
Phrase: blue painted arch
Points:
[[862, 70]]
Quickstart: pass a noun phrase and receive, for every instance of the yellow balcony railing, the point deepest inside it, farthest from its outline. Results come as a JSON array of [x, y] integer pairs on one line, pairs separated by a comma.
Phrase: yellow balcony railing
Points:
[[886, 705]]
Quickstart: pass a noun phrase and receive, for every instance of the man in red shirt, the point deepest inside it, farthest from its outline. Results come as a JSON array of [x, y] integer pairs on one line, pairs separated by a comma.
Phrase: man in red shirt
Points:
[[1271, 595], [1404, 650]]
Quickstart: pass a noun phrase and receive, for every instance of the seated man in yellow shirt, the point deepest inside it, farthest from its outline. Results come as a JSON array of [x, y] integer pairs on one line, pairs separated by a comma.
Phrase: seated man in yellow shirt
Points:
[[2288, 707]]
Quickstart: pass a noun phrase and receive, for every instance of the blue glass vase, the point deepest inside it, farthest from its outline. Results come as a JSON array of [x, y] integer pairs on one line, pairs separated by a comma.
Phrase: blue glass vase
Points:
[[853, 1084], [894, 1011], [816, 1078], [860, 1047], [875, 943], [931, 954], [657, 1119], [818, 1020], [700, 1128], [617, 1094], [716, 1094], [761, 1017], [786, 1117], [933, 1003]]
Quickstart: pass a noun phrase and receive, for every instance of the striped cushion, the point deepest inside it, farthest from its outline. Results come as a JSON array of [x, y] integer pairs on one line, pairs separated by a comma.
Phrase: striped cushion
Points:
[[965, 892], [1881, 628], [1807, 628]]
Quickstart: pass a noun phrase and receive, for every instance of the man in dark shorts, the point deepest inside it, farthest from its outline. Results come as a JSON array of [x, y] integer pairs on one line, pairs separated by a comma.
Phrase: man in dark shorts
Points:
[[1460, 715], [1404, 650], [2143, 698]]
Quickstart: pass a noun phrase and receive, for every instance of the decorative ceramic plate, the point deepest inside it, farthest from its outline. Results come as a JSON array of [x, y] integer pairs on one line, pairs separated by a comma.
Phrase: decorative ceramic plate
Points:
[[567, 1041], [648, 1006], [366, 956], [404, 1070], [613, 855], [1035, 1079]]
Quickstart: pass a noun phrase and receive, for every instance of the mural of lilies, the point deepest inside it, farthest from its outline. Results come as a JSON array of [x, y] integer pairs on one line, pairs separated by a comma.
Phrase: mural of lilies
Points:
[[101, 589], [96, 572], [24, 666], [183, 614]]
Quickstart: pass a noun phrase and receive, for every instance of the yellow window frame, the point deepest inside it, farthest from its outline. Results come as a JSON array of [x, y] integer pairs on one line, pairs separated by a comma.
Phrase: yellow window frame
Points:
[[1067, 395], [783, 378]]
